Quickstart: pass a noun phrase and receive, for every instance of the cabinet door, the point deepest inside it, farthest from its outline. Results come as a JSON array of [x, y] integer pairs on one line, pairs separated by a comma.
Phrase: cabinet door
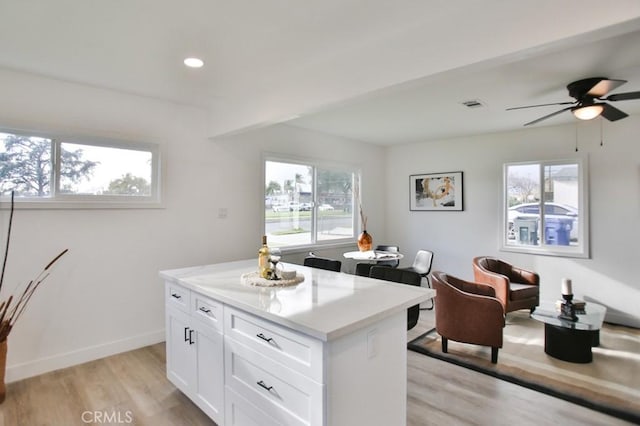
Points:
[[181, 368], [209, 385], [240, 412]]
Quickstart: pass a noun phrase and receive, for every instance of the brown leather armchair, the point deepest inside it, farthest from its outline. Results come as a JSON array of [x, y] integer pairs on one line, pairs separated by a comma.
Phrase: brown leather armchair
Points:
[[515, 287], [468, 312]]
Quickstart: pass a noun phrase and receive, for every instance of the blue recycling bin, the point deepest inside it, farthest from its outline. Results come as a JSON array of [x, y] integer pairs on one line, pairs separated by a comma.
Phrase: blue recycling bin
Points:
[[557, 231]]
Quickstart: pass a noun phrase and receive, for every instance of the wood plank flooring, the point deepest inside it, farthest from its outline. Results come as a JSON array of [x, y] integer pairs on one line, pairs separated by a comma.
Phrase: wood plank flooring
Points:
[[131, 388]]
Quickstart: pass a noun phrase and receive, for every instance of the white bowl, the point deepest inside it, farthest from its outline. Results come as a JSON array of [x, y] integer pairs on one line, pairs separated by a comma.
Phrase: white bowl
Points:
[[288, 275]]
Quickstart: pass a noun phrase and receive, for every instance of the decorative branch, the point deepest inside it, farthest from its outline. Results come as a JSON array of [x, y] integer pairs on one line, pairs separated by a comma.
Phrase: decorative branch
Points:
[[6, 251], [9, 313], [363, 218]]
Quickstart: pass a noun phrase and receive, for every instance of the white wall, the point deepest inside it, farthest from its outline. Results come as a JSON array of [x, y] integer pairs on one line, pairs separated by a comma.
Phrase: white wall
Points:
[[300, 143], [105, 295], [609, 276]]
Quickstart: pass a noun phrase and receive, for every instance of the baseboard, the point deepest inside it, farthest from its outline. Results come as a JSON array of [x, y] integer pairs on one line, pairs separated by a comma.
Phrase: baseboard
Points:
[[56, 362]]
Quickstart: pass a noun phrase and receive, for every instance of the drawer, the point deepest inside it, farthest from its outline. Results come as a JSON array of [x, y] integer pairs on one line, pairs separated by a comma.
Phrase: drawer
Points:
[[207, 311], [286, 395], [297, 351], [177, 296], [240, 412]]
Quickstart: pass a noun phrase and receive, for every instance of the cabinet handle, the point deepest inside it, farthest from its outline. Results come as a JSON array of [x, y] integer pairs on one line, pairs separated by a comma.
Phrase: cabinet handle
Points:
[[205, 310], [186, 337], [263, 337], [191, 341], [176, 296], [264, 386]]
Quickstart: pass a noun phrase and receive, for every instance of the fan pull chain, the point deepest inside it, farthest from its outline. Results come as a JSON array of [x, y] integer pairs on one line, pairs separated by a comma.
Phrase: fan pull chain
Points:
[[601, 139], [576, 137]]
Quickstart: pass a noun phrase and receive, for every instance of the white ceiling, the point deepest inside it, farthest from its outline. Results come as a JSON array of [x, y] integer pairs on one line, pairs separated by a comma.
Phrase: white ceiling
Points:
[[431, 108], [373, 70]]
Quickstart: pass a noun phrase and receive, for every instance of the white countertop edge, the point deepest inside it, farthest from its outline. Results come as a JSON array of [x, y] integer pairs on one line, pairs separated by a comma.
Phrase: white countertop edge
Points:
[[181, 277]]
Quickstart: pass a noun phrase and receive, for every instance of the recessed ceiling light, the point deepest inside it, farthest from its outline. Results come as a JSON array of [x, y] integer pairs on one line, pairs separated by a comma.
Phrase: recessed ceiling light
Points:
[[194, 62]]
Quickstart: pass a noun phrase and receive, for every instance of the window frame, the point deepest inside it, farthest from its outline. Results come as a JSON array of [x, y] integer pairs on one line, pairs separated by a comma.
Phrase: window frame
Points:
[[581, 250], [60, 200], [315, 164]]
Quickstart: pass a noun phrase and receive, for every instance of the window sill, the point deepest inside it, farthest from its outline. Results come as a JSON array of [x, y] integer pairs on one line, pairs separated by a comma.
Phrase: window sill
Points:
[[574, 252], [80, 205], [312, 247]]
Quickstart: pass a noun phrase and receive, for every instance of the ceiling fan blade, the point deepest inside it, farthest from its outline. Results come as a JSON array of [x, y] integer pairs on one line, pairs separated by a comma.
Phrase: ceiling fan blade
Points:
[[541, 105], [604, 86], [623, 96], [548, 116], [612, 113]]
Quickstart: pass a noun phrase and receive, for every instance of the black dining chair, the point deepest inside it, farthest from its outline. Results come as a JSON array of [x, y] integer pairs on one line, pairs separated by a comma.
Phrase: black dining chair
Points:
[[314, 261], [403, 277], [364, 269]]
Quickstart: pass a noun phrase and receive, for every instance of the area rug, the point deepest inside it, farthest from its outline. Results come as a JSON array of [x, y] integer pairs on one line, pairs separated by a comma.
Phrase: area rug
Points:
[[610, 384]]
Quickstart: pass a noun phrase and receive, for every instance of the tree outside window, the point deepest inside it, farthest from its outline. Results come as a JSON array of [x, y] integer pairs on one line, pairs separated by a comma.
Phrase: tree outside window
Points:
[[48, 169]]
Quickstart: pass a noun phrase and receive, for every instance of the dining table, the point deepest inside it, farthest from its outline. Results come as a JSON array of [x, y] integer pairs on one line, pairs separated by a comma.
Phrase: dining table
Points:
[[373, 255]]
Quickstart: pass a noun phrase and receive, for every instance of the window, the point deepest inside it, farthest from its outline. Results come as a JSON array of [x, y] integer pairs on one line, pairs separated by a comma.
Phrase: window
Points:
[[306, 204], [558, 189], [54, 169]]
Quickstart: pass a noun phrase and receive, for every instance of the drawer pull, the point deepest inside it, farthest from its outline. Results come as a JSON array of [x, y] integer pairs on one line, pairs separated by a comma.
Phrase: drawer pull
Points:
[[264, 386], [191, 342], [205, 310], [176, 296], [265, 338], [186, 336]]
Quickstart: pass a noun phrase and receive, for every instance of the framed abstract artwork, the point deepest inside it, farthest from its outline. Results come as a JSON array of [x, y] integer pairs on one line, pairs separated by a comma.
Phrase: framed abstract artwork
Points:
[[436, 192]]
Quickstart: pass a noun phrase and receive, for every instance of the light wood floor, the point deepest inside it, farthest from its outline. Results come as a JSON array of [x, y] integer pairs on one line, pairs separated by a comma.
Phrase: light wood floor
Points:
[[132, 387]]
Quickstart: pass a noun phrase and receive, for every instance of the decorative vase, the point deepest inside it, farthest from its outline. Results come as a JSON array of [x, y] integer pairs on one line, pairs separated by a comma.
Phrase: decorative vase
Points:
[[364, 241], [3, 367]]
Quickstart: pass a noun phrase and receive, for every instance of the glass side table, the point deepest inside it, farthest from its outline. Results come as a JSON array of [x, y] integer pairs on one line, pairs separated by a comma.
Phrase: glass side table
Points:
[[570, 340]]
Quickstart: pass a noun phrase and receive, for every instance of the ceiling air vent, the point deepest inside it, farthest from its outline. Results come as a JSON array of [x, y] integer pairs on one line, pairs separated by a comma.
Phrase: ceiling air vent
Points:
[[474, 103]]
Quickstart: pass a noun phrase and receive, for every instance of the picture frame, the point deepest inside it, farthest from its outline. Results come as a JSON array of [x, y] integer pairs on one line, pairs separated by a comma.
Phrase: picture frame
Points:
[[436, 192]]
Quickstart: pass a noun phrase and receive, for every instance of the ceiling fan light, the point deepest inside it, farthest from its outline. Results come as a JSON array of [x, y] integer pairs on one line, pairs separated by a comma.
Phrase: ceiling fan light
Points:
[[588, 112]]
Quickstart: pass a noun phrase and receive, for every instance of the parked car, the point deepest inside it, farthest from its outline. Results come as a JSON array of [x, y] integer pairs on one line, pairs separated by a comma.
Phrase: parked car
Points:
[[280, 208], [291, 207], [284, 207], [551, 211], [324, 207], [305, 207]]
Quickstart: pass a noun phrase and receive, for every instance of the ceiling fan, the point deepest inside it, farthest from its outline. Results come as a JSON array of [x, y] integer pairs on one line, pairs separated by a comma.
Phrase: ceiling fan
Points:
[[589, 102]]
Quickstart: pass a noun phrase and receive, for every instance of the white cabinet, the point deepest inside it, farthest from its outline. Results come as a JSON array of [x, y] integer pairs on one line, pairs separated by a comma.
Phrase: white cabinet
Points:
[[333, 353], [179, 351], [195, 350], [278, 370]]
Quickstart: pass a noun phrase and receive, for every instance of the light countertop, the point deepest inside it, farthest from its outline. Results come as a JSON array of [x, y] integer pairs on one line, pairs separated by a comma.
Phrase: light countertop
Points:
[[326, 305]]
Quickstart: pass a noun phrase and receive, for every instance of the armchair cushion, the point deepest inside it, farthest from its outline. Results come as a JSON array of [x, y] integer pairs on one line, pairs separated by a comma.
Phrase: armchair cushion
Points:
[[523, 291]]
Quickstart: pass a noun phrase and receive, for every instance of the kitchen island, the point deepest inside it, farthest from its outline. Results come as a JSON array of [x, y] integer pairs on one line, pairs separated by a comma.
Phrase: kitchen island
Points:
[[328, 351]]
